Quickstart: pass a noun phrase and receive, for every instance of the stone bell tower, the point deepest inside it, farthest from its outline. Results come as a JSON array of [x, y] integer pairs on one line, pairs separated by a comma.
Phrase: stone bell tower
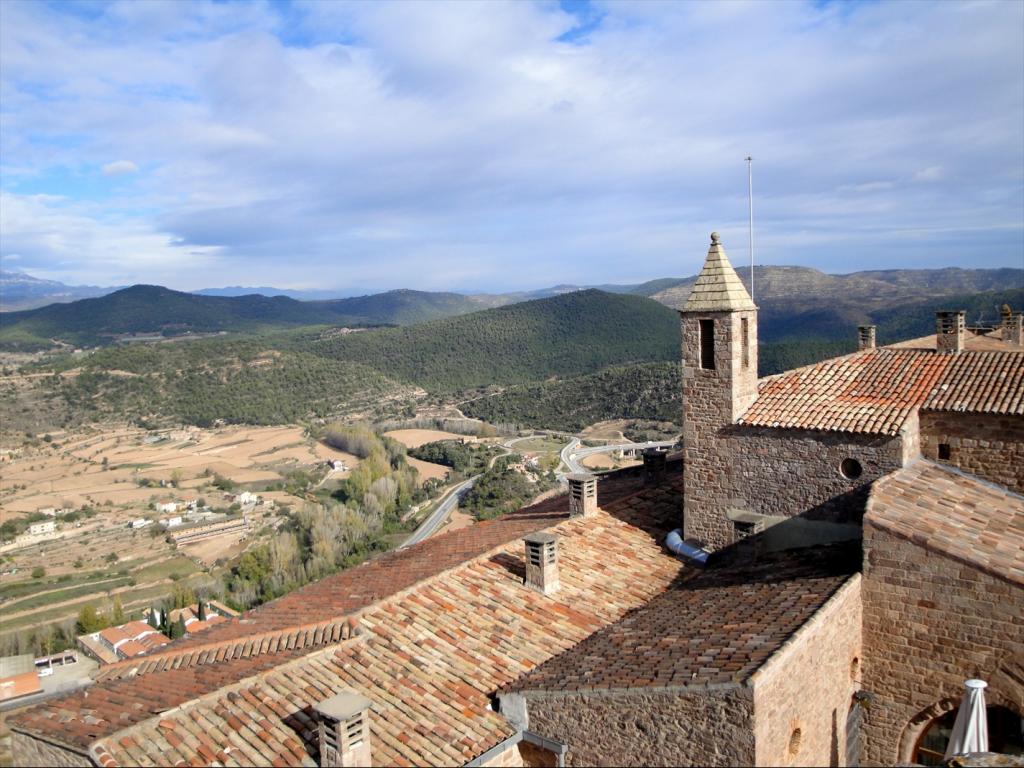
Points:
[[719, 329]]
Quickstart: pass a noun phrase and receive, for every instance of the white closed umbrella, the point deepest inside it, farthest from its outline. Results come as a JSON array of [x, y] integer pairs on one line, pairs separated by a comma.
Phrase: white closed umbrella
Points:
[[970, 731]]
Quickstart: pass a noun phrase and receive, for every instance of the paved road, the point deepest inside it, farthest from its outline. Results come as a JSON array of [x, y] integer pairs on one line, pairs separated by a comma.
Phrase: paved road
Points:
[[439, 516], [573, 454]]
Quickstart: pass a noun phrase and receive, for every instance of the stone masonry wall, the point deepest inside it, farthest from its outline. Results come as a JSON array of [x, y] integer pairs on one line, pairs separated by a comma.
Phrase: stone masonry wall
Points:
[[792, 472], [986, 445], [808, 686], [29, 751], [657, 727], [713, 399], [931, 622]]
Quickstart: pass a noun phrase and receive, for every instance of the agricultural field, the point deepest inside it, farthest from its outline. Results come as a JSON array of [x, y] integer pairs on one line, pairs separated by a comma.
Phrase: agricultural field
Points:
[[414, 438], [128, 468], [96, 482]]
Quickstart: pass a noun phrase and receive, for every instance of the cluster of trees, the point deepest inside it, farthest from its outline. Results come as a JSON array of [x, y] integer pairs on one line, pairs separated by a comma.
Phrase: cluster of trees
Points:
[[350, 525], [470, 427], [230, 382], [500, 490], [464, 458], [644, 391]]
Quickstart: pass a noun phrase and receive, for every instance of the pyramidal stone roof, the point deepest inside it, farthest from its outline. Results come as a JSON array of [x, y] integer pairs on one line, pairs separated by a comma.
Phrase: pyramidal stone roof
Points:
[[718, 287]]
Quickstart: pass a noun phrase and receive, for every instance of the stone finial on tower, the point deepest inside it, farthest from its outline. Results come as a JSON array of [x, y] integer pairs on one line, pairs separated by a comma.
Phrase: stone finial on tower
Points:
[[865, 337], [949, 332], [718, 287]]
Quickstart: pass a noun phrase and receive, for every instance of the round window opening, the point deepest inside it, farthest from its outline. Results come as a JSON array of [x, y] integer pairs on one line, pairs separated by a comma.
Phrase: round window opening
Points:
[[850, 469], [855, 669], [794, 741]]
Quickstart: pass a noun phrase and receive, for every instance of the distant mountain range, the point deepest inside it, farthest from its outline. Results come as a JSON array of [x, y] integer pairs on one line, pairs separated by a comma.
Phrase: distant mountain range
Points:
[[796, 303], [21, 291]]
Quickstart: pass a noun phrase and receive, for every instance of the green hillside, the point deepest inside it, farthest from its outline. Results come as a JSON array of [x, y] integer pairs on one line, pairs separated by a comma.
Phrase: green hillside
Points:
[[240, 381], [563, 361], [565, 335], [401, 307], [650, 391], [150, 309]]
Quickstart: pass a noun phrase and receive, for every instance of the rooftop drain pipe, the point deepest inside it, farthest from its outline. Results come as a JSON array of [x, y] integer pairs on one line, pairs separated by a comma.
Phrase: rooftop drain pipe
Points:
[[690, 553], [556, 747]]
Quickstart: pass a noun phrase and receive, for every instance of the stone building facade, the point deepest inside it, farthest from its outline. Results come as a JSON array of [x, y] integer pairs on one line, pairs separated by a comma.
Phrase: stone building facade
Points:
[[803, 694], [937, 609], [987, 445]]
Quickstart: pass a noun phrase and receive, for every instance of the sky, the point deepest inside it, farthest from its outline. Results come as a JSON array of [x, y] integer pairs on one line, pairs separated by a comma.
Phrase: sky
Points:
[[504, 146]]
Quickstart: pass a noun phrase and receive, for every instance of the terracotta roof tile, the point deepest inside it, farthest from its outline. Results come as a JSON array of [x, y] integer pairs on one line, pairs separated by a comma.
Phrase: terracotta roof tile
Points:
[[981, 382], [871, 391], [430, 657], [948, 511], [715, 628], [449, 640]]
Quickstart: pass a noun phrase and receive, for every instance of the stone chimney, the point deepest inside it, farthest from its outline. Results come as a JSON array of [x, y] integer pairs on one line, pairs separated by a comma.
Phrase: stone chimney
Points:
[[1013, 329], [582, 495], [344, 730], [654, 466], [865, 337], [542, 562], [949, 332]]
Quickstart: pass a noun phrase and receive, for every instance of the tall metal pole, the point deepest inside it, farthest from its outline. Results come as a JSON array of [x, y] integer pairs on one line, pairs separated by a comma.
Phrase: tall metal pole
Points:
[[750, 190]]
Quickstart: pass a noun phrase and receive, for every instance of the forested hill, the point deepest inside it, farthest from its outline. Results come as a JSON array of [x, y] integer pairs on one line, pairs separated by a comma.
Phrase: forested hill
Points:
[[565, 335], [150, 309]]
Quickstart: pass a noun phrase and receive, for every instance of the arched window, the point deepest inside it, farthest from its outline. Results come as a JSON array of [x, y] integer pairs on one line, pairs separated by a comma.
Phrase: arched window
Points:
[[1005, 735]]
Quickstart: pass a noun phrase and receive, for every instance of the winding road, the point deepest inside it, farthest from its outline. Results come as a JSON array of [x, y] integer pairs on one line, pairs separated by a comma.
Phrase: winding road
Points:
[[571, 456]]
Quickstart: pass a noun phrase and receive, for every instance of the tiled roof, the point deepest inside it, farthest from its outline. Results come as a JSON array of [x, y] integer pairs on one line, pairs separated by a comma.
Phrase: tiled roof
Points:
[[403, 642], [872, 391], [981, 382], [79, 719], [947, 511], [16, 686], [429, 659], [718, 287], [987, 342], [718, 627]]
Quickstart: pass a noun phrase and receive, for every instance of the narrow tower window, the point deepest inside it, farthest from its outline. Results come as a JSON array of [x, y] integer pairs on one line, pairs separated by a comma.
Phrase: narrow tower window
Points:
[[745, 341], [707, 344]]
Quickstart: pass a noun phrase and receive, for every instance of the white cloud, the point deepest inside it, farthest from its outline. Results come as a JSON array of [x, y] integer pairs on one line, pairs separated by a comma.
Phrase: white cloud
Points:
[[443, 145], [931, 173], [120, 168]]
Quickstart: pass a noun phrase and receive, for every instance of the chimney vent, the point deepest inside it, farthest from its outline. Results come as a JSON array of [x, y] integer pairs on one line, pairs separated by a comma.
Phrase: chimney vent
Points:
[[1013, 329], [542, 562], [949, 332], [865, 337], [582, 495], [344, 730], [654, 466]]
